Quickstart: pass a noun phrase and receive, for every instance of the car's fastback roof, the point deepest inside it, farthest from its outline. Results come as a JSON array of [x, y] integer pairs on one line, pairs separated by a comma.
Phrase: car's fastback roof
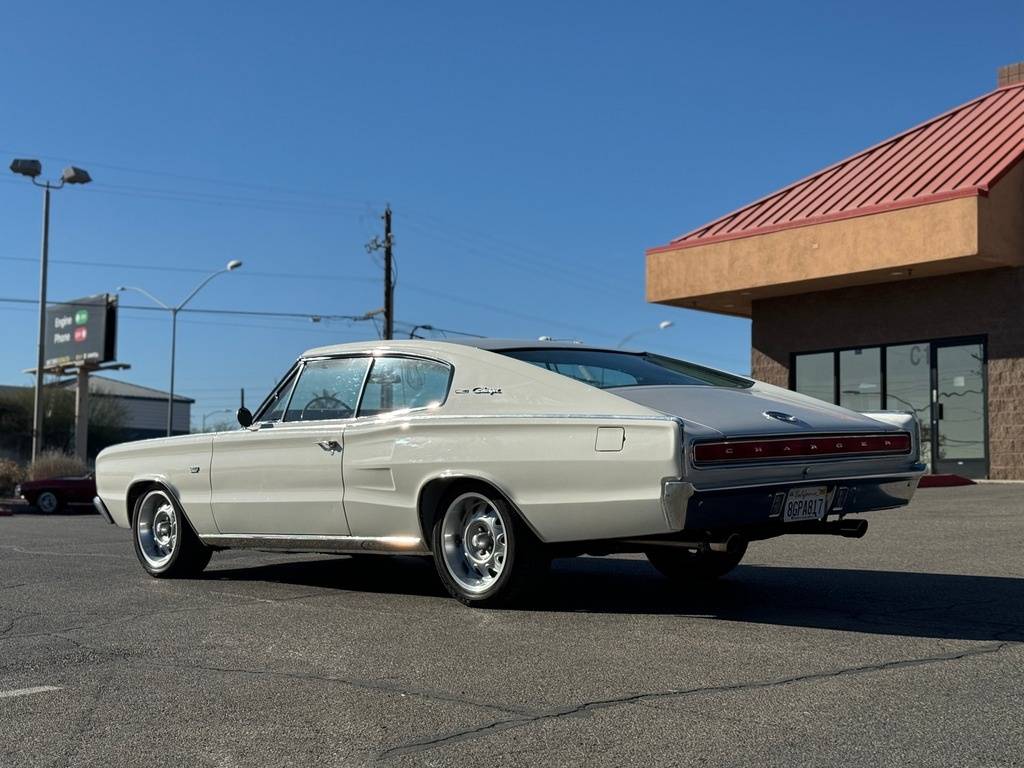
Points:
[[524, 387], [423, 345]]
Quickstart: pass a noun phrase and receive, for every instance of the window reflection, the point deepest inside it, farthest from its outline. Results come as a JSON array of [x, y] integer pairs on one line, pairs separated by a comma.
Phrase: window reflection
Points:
[[907, 388], [961, 402], [815, 375], [860, 379]]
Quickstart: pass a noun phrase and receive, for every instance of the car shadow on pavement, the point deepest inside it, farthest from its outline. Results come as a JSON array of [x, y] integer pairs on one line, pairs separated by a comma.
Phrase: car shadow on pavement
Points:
[[913, 604], [934, 605]]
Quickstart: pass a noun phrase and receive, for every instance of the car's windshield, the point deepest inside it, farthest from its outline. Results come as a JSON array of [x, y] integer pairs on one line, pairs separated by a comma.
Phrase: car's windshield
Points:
[[608, 369]]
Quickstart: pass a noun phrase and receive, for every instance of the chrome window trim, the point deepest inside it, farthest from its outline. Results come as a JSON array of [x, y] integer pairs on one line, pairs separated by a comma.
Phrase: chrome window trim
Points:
[[740, 382], [291, 392], [304, 363], [295, 368], [362, 388], [404, 356]]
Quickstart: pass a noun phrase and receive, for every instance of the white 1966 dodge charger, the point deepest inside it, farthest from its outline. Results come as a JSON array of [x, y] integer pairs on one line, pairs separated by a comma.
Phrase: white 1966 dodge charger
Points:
[[494, 456]]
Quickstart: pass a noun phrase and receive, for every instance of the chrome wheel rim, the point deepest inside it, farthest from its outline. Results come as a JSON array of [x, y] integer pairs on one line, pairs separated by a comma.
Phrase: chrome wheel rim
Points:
[[474, 542], [47, 502], [157, 529]]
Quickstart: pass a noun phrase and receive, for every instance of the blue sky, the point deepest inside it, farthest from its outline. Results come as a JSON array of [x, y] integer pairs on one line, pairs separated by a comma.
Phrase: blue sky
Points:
[[531, 152]]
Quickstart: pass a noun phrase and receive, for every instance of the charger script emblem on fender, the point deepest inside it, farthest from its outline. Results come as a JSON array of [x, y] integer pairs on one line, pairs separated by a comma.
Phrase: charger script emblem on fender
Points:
[[479, 391]]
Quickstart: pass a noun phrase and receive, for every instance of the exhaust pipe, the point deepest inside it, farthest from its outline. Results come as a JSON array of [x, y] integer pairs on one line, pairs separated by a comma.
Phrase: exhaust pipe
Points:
[[732, 545], [853, 529]]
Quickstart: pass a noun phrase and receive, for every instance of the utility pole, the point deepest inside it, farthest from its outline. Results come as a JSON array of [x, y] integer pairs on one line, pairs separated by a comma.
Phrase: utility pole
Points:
[[377, 244], [389, 286]]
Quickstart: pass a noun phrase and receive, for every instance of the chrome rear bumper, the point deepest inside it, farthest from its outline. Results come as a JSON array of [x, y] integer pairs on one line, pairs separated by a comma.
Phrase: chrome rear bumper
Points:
[[731, 509], [735, 508]]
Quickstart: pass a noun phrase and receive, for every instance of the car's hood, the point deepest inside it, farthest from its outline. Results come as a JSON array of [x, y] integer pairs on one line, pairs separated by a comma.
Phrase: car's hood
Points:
[[742, 412]]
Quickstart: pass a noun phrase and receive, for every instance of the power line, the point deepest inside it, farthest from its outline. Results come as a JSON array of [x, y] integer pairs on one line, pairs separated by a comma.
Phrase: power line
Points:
[[195, 270], [201, 179], [248, 313], [511, 313], [438, 329], [238, 312], [519, 263], [332, 204]]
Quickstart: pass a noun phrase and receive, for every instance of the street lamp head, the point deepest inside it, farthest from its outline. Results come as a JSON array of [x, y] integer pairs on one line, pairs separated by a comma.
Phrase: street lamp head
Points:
[[665, 324], [30, 168], [233, 265], [73, 175], [122, 288]]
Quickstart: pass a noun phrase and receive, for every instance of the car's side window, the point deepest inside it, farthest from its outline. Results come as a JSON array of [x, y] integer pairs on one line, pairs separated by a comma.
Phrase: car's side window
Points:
[[327, 389], [274, 409], [398, 383]]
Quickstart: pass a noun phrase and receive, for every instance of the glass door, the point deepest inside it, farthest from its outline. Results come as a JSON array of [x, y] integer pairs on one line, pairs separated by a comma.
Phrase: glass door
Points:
[[958, 409], [908, 387]]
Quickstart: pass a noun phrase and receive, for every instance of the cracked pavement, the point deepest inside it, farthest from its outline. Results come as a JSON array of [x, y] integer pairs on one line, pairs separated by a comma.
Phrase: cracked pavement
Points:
[[902, 648]]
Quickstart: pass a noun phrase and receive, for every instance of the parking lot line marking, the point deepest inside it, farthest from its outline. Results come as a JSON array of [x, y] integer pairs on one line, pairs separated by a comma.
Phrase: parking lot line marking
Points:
[[27, 691]]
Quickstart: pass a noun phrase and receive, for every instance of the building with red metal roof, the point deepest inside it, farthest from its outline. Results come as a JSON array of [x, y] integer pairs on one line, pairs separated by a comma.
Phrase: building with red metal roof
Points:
[[891, 279]]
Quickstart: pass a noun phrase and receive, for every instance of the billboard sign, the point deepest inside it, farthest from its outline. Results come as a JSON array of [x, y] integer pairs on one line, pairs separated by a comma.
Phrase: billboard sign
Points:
[[81, 331]]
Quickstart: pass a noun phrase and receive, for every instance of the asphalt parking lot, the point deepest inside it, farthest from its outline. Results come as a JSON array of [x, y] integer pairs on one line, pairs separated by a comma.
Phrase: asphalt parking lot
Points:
[[902, 648]]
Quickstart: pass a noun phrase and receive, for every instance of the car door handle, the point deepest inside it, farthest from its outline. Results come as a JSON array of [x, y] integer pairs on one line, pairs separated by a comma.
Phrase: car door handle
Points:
[[331, 446]]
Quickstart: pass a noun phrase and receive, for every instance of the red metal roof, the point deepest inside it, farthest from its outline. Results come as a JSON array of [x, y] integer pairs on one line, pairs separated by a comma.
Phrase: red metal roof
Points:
[[957, 154]]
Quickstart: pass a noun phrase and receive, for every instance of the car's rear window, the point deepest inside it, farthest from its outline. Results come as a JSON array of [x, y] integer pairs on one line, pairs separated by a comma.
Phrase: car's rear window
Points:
[[610, 369]]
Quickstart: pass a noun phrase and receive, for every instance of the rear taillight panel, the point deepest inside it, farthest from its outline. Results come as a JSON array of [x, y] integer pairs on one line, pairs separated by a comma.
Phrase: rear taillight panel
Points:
[[775, 449]]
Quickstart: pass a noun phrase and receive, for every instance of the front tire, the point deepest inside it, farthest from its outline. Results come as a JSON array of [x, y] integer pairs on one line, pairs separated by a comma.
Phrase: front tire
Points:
[[484, 554], [165, 543], [48, 503], [687, 567]]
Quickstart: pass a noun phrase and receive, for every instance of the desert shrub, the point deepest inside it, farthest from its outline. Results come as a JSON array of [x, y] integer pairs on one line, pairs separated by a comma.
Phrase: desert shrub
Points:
[[11, 473], [56, 464]]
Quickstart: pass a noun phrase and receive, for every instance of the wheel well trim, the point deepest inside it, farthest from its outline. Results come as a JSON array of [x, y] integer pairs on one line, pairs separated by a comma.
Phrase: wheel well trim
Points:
[[159, 480], [452, 477]]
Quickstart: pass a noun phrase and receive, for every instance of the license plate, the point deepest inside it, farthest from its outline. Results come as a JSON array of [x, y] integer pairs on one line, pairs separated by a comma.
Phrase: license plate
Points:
[[805, 504]]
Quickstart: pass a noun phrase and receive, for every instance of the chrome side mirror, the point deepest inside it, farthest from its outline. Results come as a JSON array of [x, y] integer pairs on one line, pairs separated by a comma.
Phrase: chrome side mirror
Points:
[[244, 416]]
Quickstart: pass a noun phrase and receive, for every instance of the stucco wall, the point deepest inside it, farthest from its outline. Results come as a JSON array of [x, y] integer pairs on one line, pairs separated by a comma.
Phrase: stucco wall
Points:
[[984, 303]]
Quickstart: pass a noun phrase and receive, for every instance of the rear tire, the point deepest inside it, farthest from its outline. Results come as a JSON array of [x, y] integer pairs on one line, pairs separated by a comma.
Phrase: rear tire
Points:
[[485, 555], [683, 566], [165, 543], [49, 503]]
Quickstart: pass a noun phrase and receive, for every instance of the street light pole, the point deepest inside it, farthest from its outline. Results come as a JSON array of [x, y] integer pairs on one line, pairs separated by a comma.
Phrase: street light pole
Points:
[[37, 398], [229, 267], [71, 175], [211, 413], [170, 395], [663, 325]]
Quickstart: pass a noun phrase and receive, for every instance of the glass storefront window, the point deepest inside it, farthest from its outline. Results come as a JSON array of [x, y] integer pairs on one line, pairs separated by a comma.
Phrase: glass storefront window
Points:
[[860, 379], [908, 388], [952, 417], [815, 375]]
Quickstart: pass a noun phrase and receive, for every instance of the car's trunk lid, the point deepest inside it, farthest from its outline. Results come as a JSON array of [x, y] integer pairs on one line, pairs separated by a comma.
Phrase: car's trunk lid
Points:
[[759, 410]]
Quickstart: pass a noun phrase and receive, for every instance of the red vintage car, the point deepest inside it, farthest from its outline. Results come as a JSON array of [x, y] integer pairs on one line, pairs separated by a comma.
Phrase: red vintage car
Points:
[[52, 494]]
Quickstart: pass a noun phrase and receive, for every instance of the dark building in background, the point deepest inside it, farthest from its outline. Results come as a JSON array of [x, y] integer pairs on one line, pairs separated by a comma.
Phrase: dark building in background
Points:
[[893, 279]]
